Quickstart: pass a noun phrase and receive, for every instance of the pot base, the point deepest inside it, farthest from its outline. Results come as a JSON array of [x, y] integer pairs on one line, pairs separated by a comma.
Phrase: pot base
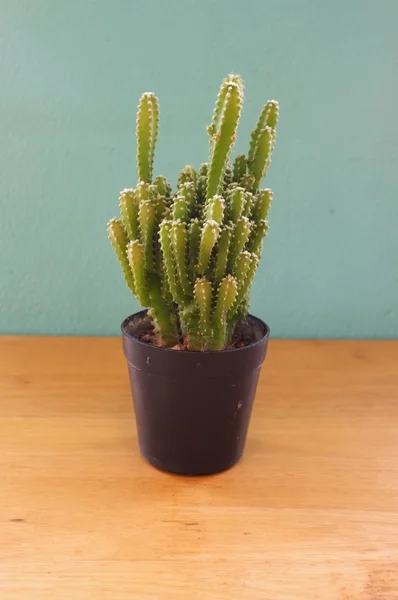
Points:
[[199, 470]]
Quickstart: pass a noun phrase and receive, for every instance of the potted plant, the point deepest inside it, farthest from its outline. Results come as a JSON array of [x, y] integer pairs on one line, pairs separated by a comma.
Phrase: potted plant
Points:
[[190, 256]]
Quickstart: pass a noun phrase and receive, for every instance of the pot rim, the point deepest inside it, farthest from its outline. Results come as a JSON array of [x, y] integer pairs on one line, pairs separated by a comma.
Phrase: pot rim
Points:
[[191, 352]]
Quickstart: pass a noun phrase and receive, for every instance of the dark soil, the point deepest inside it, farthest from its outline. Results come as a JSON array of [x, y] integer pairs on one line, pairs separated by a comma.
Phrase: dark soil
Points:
[[246, 332]]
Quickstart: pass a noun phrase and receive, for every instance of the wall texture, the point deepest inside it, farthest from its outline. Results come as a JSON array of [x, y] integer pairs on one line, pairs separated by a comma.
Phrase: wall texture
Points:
[[71, 75]]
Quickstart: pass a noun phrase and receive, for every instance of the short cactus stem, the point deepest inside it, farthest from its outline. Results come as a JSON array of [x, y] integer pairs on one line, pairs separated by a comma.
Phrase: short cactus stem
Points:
[[227, 291], [203, 296], [208, 239]]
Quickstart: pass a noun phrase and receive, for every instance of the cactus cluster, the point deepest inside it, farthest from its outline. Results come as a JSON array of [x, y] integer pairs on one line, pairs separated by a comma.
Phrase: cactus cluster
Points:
[[191, 256]]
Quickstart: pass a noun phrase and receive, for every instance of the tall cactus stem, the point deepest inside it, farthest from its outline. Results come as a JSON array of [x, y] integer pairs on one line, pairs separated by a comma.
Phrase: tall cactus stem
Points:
[[223, 131], [147, 131]]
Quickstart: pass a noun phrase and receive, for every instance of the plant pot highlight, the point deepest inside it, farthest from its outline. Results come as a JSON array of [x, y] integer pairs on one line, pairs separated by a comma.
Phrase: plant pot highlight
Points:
[[193, 408]]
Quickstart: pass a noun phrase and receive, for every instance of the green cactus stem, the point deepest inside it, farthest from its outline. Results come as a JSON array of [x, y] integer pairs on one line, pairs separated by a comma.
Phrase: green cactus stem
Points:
[[204, 170], [201, 192], [178, 233], [163, 317], [214, 209], [147, 222], [218, 109], [262, 155], [190, 327], [228, 177], [187, 191], [241, 266], [136, 259], [239, 239], [119, 239], [244, 288], [262, 205], [203, 295], [144, 191], [250, 201], [272, 113], [180, 210], [162, 186], [261, 123], [237, 203], [256, 239], [128, 204], [262, 142], [268, 118], [240, 168], [169, 262], [248, 182], [223, 130], [162, 208], [226, 296], [201, 186], [147, 131], [187, 174], [208, 239], [222, 254], [194, 235]]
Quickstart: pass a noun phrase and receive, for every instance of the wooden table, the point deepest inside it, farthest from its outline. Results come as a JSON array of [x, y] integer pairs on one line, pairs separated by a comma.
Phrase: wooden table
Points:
[[310, 513]]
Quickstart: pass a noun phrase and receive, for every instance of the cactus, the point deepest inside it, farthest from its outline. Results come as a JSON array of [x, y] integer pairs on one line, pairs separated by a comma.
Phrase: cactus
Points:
[[191, 256]]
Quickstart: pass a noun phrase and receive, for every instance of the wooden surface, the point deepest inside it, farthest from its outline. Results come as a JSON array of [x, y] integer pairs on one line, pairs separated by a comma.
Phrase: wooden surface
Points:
[[311, 512]]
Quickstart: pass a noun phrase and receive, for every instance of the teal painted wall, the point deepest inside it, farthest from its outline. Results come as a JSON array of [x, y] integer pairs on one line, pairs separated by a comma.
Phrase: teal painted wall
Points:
[[71, 75]]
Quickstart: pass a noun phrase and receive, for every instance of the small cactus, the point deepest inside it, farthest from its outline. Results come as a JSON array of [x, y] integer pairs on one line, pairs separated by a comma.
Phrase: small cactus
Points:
[[190, 256]]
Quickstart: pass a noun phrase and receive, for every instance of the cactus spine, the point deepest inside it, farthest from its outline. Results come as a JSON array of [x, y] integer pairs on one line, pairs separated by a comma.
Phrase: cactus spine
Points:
[[191, 256]]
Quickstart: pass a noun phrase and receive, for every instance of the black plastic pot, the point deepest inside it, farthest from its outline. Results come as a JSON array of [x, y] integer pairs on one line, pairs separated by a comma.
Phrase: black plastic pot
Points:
[[193, 408]]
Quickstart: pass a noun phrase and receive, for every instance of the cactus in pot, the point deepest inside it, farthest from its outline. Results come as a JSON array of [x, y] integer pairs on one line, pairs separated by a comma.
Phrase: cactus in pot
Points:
[[190, 255]]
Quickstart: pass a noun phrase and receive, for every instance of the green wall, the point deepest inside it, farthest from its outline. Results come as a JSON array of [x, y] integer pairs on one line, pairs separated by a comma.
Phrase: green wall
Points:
[[71, 74]]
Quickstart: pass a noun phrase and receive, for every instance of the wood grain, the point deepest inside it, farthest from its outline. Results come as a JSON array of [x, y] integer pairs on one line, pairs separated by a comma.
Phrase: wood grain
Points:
[[310, 513]]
